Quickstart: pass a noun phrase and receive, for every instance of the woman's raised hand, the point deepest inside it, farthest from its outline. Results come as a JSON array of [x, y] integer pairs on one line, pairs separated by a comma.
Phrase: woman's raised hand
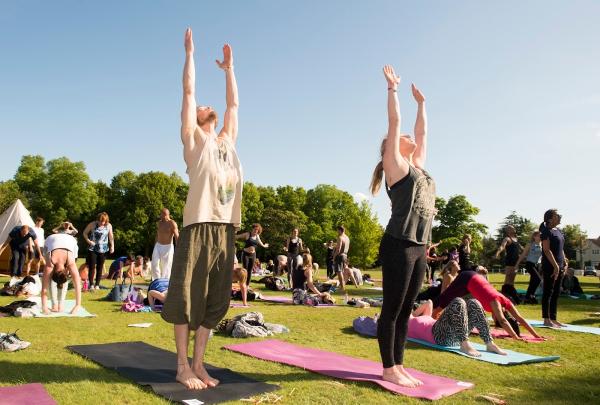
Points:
[[390, 76], [419, 97], [227, 58], [188, 41]]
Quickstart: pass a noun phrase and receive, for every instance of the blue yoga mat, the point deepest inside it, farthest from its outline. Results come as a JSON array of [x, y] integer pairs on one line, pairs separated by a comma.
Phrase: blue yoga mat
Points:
[[511, 358], [68, 306], [569, 328]]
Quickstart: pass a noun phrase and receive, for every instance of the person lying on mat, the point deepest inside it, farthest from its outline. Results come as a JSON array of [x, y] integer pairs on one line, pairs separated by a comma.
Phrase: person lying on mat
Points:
[[61, 252], [452, 328], [240, 276], [470, 282], [157, 291]]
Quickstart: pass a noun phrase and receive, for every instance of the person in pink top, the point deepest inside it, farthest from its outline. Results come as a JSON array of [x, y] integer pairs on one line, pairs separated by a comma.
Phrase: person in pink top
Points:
[[453, 327], [469, 282]]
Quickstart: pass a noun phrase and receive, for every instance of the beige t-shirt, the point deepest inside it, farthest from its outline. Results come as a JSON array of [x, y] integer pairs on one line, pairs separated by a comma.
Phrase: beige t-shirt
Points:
[[215, 193]]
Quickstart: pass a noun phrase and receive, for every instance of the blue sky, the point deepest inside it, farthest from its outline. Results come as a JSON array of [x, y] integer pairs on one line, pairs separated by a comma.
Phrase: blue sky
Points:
[[513, 92]]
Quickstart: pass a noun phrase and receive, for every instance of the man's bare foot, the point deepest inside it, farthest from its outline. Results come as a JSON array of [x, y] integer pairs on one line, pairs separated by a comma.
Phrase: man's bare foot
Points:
[[393, 375], [205, 377], [466, 348], [186, 376], [405, 373], [491, 347]]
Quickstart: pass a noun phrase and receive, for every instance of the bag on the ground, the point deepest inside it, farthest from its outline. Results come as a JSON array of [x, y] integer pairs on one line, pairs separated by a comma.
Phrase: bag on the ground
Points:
[[250, 324], [273, 283], [119, 292]]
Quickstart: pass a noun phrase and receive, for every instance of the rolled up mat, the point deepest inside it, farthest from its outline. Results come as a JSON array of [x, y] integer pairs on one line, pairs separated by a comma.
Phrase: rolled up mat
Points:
[[347, 368], [149, 365], [26, 394], [568, 328], [68, 306], [510, 359]]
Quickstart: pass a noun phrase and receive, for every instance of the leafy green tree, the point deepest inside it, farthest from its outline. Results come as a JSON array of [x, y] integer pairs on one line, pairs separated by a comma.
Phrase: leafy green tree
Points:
[[32, 179], [455, 218], [365, 233], [9, 192], [575, 241]]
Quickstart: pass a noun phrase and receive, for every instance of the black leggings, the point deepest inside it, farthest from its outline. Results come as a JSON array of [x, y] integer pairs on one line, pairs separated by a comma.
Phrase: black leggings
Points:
[[458, 319], [534, 279], [95, 263], [248, 260], [551, 293], [403, 266]]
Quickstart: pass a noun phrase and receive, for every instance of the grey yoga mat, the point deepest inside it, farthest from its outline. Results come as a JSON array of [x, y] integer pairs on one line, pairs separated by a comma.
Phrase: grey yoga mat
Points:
[[150, 365]]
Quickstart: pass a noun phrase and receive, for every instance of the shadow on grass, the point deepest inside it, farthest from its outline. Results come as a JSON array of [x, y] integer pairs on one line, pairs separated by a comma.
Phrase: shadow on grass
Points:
[[586, 321], [17, 372], [563, 389]]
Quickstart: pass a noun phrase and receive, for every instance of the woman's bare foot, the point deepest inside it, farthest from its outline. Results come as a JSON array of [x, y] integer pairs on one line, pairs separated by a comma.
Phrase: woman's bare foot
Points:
[[186, 376], [54, 308], [393, 375], [205, 377], [558, 324], [491, 347], [466, 348], [548, 322], [405, 373]]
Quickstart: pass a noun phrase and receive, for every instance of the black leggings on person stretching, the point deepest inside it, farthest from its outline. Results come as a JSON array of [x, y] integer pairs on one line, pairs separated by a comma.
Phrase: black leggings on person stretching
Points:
[[534, 279], [248, 260], [95, 263], [551, 292], [403, 266]]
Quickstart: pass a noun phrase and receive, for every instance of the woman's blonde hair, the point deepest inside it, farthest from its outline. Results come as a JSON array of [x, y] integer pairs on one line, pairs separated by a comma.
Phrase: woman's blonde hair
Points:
[[377, 177], [307, 261]]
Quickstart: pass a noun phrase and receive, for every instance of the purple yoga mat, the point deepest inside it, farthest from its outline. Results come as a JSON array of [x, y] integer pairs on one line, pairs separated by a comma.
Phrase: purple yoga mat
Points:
[[347, 368], [27, 394], [278, 299], [237, 305]]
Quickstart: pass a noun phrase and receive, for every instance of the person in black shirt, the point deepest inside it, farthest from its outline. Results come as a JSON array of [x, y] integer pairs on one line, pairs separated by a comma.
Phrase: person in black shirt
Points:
[[329, 258], [554, 264], [464, 253]]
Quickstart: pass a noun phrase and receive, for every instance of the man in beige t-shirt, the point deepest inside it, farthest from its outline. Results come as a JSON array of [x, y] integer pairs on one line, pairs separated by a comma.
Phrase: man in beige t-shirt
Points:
[[162, 255], [200, 283]]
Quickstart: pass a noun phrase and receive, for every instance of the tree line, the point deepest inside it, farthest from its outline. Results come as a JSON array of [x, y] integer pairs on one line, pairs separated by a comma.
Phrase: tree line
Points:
[[60, 190]]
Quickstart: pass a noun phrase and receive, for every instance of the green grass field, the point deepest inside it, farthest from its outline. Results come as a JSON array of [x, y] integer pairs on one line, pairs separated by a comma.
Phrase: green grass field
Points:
[[70, 379]]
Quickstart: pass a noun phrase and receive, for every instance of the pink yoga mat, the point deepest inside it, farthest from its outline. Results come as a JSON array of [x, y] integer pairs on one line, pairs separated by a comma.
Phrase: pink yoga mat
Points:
[[347, 368], [502, 334], [27, 394], [238, 305]]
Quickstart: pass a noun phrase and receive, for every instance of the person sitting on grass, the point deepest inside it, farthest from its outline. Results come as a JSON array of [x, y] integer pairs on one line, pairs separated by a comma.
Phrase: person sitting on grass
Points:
[[240, 276], [157, 292], [471, 282], [302, 280], [452, 328], [61, 253]]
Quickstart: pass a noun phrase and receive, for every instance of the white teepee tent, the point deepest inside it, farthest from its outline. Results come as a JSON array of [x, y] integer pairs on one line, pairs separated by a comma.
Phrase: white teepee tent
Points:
[[15, 215]]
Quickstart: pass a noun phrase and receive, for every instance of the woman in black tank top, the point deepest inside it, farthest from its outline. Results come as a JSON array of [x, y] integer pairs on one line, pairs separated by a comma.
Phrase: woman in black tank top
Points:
[[510, 244], [294, 248], [252, 240], [402, 250]]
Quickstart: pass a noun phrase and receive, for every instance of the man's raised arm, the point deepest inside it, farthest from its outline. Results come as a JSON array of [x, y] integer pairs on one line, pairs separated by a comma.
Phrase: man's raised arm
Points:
[[188, 107], [230, 121]]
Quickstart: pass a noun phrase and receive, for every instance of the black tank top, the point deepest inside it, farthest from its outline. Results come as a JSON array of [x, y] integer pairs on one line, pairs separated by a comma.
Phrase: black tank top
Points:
[[413, 207], [512, 251], [251, 242], [294, 247], [298, 278]]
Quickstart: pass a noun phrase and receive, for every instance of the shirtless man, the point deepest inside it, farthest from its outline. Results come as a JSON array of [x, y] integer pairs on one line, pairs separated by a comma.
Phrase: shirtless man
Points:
[[200, 283], [162, 255], [340, 255]]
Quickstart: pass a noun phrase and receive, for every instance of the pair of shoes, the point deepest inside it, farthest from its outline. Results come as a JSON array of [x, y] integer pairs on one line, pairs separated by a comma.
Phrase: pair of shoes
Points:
[[11, 342]]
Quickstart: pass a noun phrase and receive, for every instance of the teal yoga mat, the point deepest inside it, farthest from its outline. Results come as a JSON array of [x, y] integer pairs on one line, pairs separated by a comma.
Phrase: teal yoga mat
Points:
[[68, 306], [511, 358], [569, 328]]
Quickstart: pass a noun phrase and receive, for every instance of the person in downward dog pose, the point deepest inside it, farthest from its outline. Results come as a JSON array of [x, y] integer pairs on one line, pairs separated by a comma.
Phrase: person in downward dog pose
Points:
[[200, 283], [402, 250], [453, 326], [252, 240], [61, 253]]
